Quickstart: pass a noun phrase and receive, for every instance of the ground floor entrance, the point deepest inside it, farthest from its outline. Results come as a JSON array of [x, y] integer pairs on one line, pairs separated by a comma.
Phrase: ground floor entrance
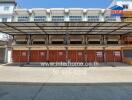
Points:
[[67, 56]]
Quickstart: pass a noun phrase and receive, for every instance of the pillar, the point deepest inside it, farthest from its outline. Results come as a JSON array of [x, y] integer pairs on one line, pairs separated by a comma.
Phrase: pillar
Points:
[[29, 48], [66, 54]]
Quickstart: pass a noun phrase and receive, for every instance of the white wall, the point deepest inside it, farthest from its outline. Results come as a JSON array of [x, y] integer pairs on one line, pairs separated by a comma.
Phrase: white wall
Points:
[[10, 11], [6, 14], [121, 2], [9, 17]]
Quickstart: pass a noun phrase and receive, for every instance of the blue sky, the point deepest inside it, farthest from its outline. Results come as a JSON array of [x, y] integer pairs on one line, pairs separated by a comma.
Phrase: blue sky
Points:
[[64, 3]]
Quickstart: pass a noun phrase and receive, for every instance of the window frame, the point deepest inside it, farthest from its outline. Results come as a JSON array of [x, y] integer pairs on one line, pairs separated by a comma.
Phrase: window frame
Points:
[[40, 18], [6, 8], [4, 19], [58, 18], [75, 18], [93, 18], [23, 18], [125, 6]]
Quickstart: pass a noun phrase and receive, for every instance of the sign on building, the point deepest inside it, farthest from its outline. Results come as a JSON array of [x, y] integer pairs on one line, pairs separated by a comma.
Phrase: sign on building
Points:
[[116, 11]]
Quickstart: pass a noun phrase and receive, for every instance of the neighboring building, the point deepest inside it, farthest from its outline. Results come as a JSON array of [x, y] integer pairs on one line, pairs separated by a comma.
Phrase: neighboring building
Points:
[[6, 15], [72, 34], [2, 51]]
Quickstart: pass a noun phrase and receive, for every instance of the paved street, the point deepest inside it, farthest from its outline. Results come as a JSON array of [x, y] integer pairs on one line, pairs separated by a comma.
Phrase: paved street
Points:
[[16, 92]]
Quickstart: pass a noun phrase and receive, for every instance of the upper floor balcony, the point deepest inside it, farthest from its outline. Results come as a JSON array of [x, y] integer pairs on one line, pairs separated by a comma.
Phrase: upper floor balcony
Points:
[[63, 15]]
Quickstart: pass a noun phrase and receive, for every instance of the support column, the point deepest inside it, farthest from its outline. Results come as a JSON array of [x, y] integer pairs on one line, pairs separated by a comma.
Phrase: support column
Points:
[[122, 55], [103, 40], [6, 55], [67, 44], [29, 54], [66, 54], [121, 40], [114, 55], [85, 54], [104, 55], [47, 55], [47, 39], [29, 48], [85, 40]]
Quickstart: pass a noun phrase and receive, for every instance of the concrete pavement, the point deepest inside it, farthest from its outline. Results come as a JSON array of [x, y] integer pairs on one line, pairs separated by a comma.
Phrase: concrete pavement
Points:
[[15, 74]]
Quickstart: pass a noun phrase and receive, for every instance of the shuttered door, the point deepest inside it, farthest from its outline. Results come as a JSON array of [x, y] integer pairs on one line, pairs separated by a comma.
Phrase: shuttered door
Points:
[[23, 56], [113, 56], [42, 56], [16, 55], [91, 56], [80, 56], [99, 56], [61, 56], [57, 56], [34, 57], [20, 55], [109, 56], [72, 55], [117, 56], [52, 56]]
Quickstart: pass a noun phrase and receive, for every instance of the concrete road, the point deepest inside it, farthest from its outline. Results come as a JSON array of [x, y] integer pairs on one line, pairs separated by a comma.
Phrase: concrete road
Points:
[[106, 92], [65, 75]]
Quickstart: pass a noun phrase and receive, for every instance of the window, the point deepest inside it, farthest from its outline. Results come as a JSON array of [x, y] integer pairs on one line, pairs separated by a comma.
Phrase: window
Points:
[[99, 54], [57, 18], [6, 8], [60, 53], [57, 42], [93, 18], [21, 42], [40, 18], [112, 42], [128, 42], [125, 6], [42, 53], [75, 42], [4, 19], [117, 53], [110, 19], [23, 19], [38, 42], [24, 53], [94, 42], [80, 53], [75, 18]]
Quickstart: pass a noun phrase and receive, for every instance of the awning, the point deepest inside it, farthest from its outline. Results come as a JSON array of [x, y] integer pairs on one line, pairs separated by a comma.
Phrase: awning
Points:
[[17, 28]]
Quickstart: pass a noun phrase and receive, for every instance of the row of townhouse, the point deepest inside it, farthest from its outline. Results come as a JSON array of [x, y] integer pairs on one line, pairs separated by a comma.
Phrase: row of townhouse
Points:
[[74, 47]]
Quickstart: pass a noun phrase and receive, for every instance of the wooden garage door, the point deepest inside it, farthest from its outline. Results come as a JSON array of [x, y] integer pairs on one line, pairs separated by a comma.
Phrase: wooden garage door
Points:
[[20, 55], [57, 56], [76, 56], [113, 56], [95, 56]]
